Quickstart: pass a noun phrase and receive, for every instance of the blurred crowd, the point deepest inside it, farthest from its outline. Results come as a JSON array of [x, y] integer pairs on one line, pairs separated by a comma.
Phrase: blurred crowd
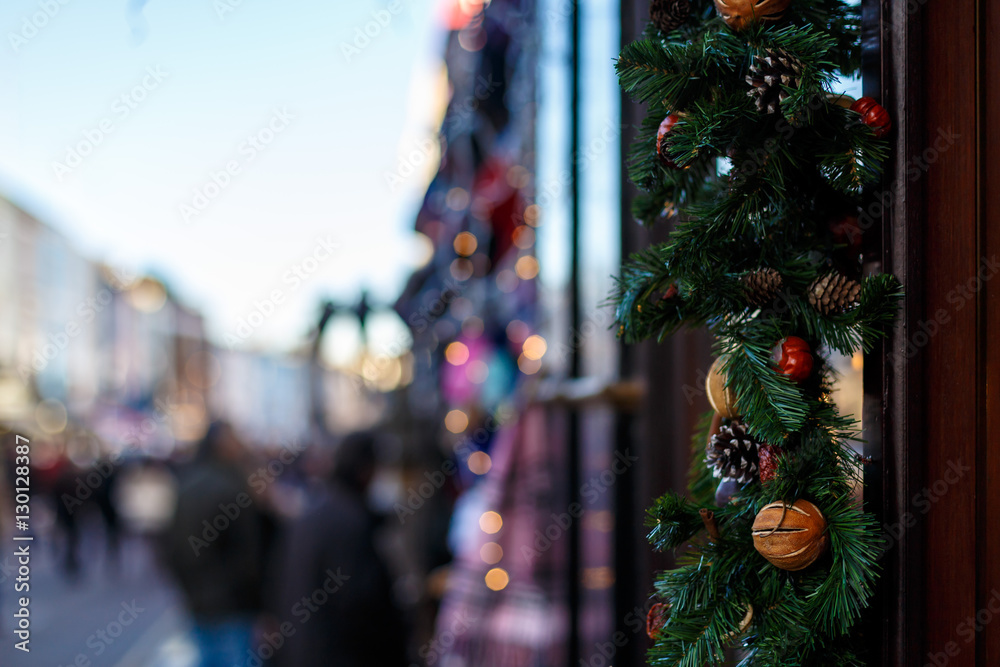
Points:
[[277, 554], [399, 546]]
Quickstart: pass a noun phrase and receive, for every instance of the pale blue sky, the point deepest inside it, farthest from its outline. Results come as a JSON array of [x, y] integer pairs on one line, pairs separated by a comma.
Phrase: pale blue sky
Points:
[[226, 75]]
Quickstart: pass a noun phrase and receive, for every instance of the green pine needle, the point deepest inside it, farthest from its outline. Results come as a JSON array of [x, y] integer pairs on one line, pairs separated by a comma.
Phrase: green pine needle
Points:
[[749, 191]]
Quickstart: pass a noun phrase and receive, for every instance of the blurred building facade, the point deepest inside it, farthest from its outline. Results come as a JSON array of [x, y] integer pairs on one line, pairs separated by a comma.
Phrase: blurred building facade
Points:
[[88, 346]]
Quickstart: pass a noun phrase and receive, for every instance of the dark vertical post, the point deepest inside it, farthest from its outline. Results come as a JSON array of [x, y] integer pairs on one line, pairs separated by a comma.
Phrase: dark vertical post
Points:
[[573, 597], [877, 619], [895, 399], [629, 585]]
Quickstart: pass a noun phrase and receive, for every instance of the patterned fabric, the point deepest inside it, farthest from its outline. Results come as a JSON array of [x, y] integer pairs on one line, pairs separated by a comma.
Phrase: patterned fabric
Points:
[[526, 623]]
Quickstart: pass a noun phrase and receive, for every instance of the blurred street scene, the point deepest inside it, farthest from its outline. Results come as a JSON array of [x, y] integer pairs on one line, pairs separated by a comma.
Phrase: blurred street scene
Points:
[[391, 487], [421, 458]]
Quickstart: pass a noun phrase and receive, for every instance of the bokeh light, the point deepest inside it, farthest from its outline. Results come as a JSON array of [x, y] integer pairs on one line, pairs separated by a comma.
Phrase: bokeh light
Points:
[[534, 347], [480, 463], [51, 416], [518, 177], [147, 295], [491, 553], [497, 579], [491, 522], [457, 199], [598, 578], [528, 366], [202, 370], [473, 327], [524, 237], [462, 269], [456, 353], [423, 250], [517, 331], [456, 421], [506, 281], [526, 267], [465, 243], [533, 215]]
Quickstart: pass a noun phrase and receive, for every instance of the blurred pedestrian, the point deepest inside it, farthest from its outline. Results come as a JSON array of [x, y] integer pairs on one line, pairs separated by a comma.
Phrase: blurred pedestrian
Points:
[[213, 548], [104, 497], [65, 492], [332, 586]]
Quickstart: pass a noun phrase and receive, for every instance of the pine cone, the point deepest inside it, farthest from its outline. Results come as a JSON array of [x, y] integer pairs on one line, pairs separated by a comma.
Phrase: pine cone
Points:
[[769, 75], [732, 453], [761, 286], [668, 15], [834, 293]]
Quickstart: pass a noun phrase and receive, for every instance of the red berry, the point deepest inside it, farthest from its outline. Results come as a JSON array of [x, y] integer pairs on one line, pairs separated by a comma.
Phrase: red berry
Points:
[[661, 148], [796, 359], [847, 230], [656, 619], [767, 456]]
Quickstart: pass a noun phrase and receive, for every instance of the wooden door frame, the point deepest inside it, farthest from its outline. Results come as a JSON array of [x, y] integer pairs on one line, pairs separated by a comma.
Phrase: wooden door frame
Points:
[[931, 391]]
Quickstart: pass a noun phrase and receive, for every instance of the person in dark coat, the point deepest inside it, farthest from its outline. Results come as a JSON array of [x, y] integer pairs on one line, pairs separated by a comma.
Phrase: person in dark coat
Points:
[[333, 591], [213, 548]]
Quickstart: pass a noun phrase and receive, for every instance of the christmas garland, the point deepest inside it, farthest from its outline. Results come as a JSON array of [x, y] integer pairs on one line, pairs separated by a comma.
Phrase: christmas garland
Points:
[[765, 167]]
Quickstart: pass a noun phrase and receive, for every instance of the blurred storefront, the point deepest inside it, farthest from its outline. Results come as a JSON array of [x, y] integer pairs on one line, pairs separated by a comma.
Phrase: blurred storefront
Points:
[[516, 365], [522, 441]]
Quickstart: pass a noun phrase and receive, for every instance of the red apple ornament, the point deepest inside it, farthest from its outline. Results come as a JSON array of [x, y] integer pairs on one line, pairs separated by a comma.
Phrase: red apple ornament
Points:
[[874, 115], [796, 360]]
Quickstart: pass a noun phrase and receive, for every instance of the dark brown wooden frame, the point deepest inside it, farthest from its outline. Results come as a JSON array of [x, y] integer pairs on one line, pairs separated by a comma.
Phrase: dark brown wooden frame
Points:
[[932, 393]]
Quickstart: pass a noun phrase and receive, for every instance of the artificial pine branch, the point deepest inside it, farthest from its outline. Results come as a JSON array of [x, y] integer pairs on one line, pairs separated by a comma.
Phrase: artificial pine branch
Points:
[[749, 189], [673, 520]]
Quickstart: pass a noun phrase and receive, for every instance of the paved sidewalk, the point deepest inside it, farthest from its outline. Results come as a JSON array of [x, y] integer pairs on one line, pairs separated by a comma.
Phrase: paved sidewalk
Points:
[[124, 616]]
